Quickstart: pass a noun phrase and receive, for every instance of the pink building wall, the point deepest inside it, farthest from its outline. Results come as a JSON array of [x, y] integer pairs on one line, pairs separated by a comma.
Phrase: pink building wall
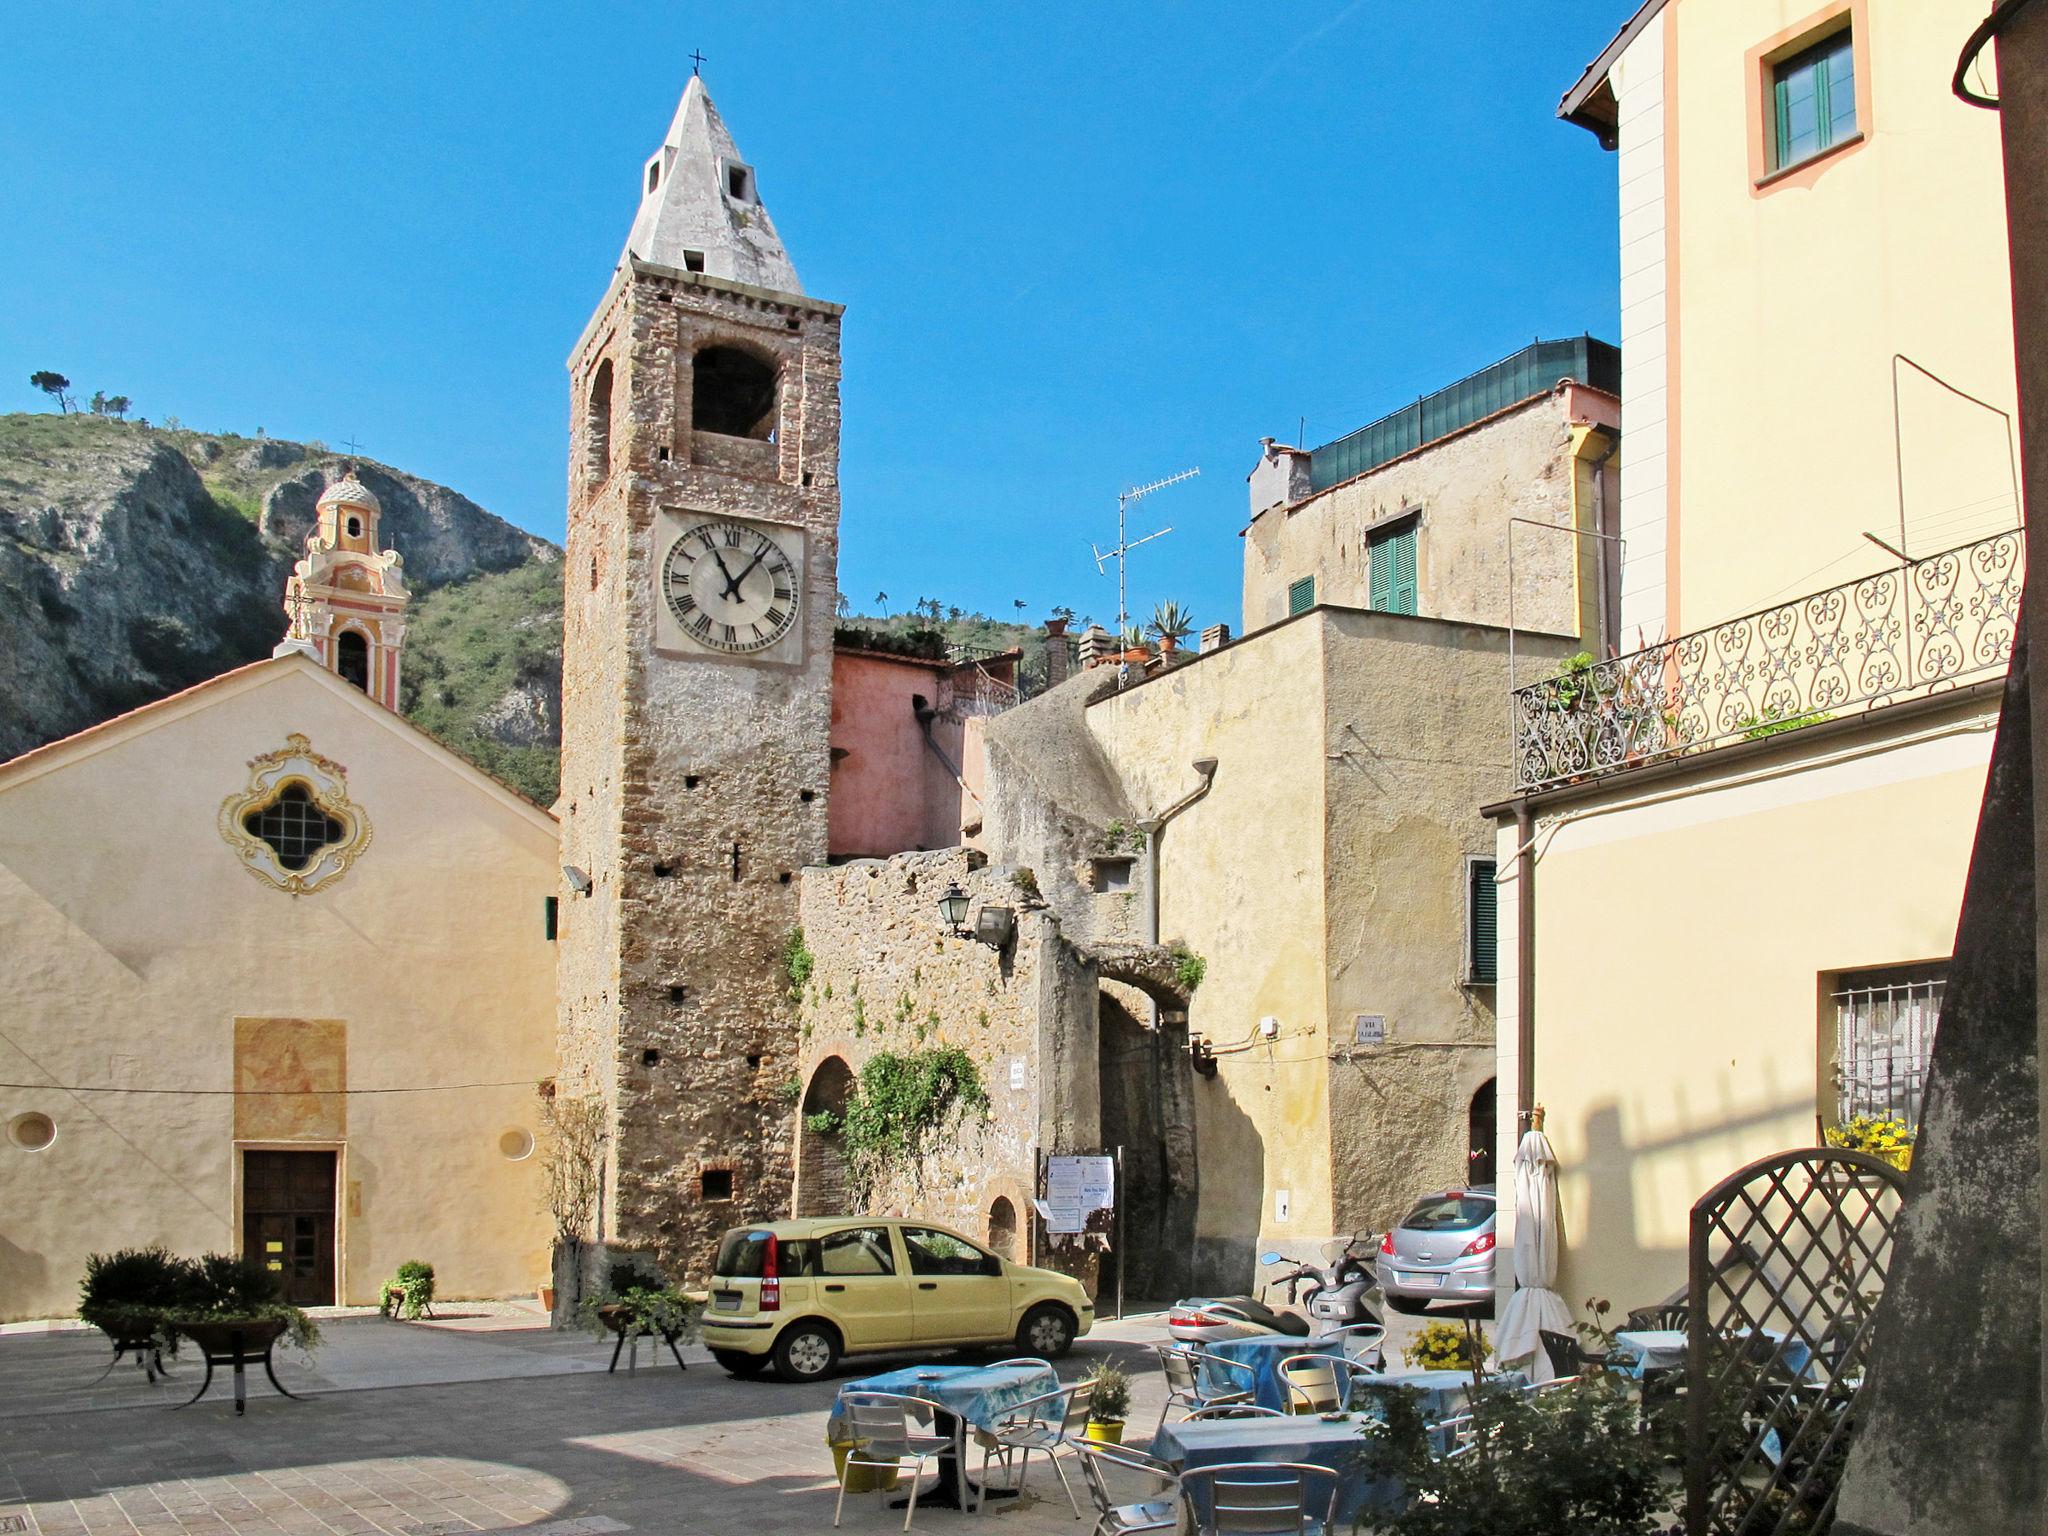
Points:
[[890, 791]]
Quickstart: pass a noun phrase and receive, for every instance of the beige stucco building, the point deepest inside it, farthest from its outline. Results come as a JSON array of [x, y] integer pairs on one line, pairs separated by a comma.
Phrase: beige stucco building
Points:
[[278, 967], [1730, 882]]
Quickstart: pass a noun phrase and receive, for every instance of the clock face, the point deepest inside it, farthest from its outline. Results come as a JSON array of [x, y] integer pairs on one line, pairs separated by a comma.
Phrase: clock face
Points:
[[730, 586]]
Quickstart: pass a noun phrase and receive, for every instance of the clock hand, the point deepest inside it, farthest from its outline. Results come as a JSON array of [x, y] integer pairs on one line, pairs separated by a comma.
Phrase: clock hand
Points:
[[743, 575], [731, 586]]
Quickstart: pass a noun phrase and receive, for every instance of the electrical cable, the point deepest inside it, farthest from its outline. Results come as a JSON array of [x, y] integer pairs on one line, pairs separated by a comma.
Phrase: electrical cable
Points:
[[1986, 30], [272, 1093]]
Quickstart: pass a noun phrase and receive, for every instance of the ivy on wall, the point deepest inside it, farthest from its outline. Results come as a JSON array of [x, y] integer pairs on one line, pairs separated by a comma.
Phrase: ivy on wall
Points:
[[897, 1108]]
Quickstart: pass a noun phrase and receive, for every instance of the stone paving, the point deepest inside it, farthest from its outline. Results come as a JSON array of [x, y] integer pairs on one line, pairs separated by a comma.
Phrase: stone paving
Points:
[[483, 1420], [419, 1430]]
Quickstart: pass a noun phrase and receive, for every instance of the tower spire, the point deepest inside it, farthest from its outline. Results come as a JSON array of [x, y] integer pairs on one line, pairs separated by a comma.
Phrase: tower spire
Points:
[[700, 204]]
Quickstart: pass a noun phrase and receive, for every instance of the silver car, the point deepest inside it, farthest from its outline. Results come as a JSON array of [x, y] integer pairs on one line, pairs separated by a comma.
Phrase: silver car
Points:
[[1442, 1250]]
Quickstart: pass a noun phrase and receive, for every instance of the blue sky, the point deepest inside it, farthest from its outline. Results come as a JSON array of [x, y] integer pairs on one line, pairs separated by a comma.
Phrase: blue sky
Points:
[[1081, 247]]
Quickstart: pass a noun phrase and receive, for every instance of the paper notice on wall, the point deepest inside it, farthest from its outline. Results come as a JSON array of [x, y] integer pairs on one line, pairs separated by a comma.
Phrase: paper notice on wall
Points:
[[1080, 1193]]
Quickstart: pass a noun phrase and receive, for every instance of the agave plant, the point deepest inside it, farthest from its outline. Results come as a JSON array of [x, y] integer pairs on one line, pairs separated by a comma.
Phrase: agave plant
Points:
[[1172, 624]]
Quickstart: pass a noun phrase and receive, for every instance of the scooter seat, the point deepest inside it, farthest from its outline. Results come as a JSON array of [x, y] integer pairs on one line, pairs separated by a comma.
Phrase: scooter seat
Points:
[[1265, 1317]]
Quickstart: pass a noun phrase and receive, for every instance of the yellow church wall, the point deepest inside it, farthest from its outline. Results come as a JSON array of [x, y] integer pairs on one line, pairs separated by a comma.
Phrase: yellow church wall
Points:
[[1788, 296], [135, 948], [1684, 1028]]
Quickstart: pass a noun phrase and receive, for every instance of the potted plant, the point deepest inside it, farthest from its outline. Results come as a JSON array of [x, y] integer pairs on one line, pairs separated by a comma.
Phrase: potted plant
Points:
[[1889, 1139], [1446, 1347], [637, 1305], [223, 1295], [410, 1292], [1108, 1404], [127, 1296], [1172, 624]]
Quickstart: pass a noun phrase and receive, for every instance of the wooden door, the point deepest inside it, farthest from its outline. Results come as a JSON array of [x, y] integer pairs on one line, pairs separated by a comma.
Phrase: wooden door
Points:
[[288, 1221]]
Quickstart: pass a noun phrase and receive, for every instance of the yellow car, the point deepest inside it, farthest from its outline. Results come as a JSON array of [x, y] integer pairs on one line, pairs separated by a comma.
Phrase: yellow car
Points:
[[800, 1294]]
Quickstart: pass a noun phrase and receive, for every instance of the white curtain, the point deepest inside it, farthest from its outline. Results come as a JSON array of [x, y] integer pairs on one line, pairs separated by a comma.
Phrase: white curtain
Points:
[[1534, 1304]]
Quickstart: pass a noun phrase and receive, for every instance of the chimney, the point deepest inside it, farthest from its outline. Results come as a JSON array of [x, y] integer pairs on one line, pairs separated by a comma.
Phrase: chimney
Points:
[[1281, 477], [1095, 646], [1059, 656], [1215, 637]]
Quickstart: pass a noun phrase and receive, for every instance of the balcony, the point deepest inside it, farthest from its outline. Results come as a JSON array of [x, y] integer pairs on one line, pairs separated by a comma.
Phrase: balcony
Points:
[[1905, 632]]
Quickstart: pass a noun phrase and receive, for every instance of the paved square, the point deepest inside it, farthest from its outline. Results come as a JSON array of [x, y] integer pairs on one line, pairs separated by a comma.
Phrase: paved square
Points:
[[422, 1429]]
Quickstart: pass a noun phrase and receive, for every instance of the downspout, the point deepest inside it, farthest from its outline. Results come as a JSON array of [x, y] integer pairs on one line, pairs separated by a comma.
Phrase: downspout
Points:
[[1525, 965], [1609, 643], [1153, 830]]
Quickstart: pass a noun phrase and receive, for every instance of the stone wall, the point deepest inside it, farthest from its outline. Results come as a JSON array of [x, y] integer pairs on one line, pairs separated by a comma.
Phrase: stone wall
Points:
[[889, 976]]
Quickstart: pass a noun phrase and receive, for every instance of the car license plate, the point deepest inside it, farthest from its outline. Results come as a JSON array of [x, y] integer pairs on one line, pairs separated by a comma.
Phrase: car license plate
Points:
[[1422, 1280], [725, 1301]]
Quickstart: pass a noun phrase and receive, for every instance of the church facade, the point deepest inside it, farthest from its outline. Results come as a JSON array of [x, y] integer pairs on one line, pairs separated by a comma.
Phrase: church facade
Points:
[[278, 975]]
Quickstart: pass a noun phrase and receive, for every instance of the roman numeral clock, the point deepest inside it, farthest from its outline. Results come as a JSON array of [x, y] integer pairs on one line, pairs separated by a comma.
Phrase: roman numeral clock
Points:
[[730, 587]]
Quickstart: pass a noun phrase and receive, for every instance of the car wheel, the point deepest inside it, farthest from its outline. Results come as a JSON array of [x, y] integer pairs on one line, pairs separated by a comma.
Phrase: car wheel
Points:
[[746, 1367], [806, 1352], [1047, 1331], [1409, 1304]]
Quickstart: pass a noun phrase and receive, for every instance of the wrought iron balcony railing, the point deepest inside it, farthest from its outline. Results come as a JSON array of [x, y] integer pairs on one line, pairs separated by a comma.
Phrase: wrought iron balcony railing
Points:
[[1912, 629]]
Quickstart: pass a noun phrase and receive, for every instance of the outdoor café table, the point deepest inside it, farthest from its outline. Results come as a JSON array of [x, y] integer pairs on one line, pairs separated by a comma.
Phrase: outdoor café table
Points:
[[1307, 1438], [1260, 1355], [1651, 1349], [965, 1395], [1444, 1393]]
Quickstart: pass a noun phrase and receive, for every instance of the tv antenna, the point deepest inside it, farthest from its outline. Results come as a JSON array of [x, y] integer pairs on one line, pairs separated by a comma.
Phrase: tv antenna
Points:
[[1125, 544]]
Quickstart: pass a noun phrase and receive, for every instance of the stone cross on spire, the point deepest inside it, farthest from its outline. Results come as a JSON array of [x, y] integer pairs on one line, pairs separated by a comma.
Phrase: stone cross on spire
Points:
[[700, 208]]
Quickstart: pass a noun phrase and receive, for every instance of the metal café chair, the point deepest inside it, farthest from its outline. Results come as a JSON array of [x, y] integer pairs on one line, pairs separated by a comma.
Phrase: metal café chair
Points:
[[1361, 1343], [890, 1432], [1049, 1423], [1316, 1383], [1233, 1411], [1256, 1498], [1183, 1369], [1121, 1519], [1020, 1362]]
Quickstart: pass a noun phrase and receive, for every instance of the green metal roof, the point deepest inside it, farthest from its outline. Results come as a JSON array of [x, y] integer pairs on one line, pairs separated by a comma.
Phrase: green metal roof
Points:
[[1531, 371]]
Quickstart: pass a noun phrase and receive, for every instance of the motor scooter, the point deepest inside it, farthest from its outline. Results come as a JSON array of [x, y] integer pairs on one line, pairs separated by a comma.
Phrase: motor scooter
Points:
[[1335, 1293]]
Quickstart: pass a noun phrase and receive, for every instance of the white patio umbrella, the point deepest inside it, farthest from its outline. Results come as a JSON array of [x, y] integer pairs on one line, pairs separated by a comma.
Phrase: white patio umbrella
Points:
[[1534, 1305]]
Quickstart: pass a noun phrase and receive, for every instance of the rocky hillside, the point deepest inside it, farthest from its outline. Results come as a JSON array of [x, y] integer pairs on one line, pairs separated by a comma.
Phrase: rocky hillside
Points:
[[135, 561]]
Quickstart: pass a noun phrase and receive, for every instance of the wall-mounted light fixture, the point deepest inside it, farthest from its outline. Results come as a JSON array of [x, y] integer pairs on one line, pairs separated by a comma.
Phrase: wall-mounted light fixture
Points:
[[579, 882], [953, 910]]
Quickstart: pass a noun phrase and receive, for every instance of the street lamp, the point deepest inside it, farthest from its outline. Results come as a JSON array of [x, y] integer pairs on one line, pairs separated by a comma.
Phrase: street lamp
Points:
[[953, 910]]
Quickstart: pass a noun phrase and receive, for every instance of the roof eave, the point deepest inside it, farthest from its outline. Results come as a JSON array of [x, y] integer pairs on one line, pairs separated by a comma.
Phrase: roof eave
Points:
[[1590, 102]]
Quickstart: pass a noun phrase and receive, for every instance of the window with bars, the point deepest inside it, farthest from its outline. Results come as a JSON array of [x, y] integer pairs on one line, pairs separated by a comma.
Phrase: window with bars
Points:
[[294, 826], [1390, 560], [1301, 596], [1813, 100], [1884, 1040], [1482, 923]]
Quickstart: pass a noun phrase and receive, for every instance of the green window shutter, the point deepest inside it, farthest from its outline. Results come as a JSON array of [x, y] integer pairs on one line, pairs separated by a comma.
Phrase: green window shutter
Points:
[[1390, 571], [1482, 913], [553, 911], [1301, 596]]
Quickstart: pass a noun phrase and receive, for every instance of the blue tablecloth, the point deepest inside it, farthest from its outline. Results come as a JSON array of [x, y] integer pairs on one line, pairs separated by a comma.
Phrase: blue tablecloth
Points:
[[1260, 1356], [979, 1394], [1444, 1393], [1650, 1349], [1317, 1441]]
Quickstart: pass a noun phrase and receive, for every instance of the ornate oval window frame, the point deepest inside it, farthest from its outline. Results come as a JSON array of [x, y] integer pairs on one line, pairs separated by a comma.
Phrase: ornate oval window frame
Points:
[[324, 782]]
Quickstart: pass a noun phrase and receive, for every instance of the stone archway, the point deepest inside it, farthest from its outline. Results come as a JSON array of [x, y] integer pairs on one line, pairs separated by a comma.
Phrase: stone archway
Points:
[[1146, 1080], [821, 1171]]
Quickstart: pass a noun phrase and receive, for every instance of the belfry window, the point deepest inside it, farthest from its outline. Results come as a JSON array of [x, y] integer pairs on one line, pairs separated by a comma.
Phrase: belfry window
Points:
[[597, 425], [352, 658], [294, 826], [733, 392]]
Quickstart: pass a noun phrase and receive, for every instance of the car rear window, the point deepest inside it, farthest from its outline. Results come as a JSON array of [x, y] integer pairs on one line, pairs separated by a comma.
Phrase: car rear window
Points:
[[743, 1255], [1449, 1213]]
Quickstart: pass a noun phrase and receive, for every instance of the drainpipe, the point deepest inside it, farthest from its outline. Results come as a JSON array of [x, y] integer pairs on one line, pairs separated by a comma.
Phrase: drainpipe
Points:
[[1609, 643], [1525, 965], [1153, 830]]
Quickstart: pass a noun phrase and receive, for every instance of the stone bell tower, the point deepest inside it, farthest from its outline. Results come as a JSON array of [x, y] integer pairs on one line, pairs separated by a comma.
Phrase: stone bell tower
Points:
[[346, 597], [701, 576]]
